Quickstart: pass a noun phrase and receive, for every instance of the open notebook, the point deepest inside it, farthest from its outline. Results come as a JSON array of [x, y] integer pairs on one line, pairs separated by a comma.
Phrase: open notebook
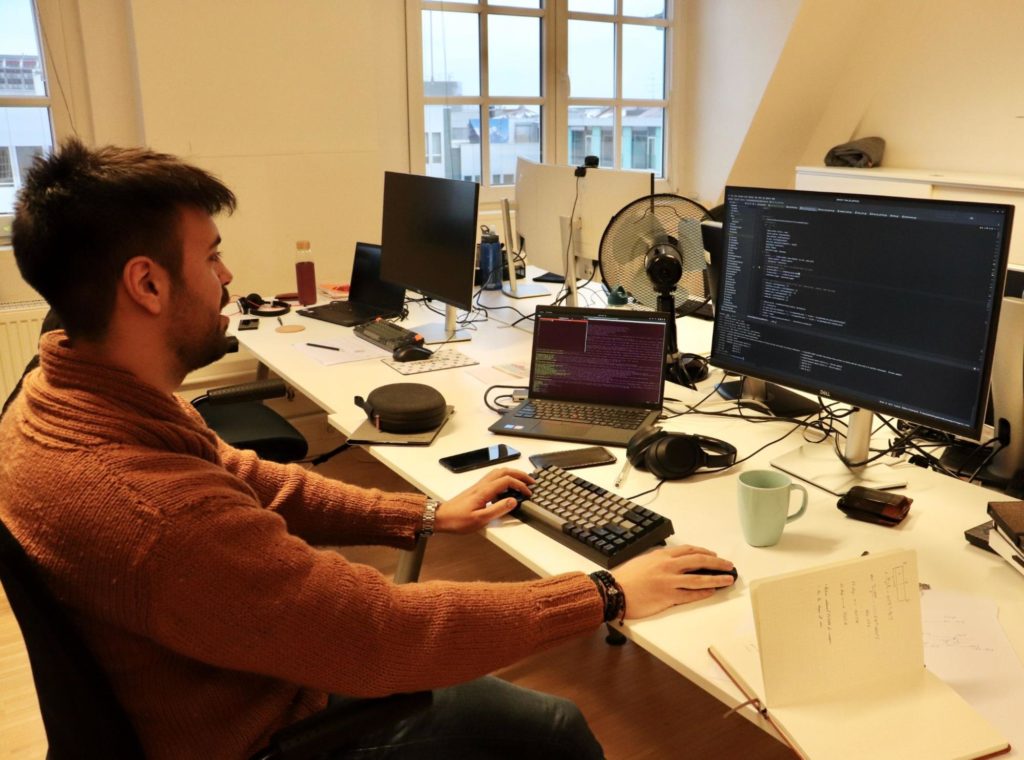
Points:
[[838, 666]]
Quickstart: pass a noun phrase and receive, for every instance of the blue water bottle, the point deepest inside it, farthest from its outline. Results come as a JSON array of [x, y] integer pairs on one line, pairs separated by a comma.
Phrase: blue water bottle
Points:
[[490, 259]]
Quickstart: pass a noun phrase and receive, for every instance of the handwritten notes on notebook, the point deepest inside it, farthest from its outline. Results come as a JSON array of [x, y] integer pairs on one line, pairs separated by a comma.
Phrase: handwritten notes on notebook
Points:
[[853, 621], [839, 666]]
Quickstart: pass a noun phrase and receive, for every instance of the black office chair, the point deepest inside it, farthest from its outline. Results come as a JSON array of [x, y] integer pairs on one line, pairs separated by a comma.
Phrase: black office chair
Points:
[[81, 714], [237, 415]]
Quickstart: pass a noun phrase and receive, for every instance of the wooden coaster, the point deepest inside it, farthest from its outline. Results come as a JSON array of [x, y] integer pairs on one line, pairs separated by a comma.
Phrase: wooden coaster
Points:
[[290, 328]]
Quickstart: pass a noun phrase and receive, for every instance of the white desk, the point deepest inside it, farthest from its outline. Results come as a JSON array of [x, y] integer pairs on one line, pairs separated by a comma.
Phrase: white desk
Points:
[[702, 508]]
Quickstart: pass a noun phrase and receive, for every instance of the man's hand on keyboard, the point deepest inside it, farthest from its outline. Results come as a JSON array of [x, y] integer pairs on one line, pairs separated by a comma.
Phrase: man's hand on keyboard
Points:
[[469, 511], [663, 578]]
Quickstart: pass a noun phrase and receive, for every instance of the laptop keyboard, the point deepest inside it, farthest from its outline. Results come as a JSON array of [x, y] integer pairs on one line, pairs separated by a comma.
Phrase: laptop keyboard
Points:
[[590, 520], [561, 411]]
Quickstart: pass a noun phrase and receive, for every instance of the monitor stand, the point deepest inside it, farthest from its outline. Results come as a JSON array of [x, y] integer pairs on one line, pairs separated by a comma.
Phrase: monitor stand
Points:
[[818, 464], [449, 332], [760, 394], [515, 287]]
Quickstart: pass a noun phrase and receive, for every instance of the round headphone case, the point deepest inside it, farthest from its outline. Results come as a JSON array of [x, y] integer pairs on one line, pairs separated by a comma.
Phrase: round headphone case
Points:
[[404, 407]]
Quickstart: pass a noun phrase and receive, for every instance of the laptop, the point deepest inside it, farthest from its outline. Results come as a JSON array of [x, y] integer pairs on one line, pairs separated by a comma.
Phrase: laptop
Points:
[[369, 296], [596, 376]]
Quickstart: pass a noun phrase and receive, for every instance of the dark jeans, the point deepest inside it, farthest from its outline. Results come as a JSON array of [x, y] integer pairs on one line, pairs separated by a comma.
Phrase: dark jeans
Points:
[[486, 718]]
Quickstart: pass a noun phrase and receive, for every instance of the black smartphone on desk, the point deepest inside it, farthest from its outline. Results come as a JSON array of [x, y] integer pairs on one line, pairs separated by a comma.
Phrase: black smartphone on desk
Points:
[[591, 456], [472, 460]]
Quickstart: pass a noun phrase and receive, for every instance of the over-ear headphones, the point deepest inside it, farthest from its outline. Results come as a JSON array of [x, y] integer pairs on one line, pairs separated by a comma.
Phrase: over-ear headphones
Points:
[[671, 456], [255, 304]]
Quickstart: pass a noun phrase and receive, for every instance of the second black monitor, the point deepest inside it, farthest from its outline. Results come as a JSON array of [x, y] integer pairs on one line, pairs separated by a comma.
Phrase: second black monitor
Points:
[[428, 238]]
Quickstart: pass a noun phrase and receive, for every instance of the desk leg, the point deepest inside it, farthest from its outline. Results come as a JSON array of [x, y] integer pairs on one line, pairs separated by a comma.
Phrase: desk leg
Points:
[[409, 562]]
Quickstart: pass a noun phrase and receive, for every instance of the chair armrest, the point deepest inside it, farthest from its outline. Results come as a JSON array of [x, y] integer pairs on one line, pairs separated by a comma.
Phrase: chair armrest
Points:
[[254, 391]]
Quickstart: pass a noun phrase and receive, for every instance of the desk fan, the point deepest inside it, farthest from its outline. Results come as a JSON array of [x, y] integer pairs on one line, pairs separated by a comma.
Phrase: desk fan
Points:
[[646, 249]]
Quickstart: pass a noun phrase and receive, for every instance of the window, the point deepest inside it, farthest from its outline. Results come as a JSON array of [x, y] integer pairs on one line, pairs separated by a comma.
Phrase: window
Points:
[[550, 80], [25, 123]]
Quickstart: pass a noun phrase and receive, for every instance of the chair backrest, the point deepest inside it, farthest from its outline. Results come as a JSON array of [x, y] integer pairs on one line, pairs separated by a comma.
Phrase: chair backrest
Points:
[[81, 715]]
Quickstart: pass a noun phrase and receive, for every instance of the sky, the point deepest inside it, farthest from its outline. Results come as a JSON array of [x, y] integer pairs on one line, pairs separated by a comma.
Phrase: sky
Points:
[[17, 28]]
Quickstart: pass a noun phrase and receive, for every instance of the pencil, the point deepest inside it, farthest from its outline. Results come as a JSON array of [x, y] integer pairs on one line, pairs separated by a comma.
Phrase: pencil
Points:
[[320, 345]]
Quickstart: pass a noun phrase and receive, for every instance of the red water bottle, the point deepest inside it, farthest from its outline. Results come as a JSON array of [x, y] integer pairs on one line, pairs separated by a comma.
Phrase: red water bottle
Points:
[[305, 278]]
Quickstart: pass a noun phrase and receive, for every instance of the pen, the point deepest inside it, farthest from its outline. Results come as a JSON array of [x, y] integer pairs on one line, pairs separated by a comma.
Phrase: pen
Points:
[[622, 475], [280, 321], [320, 345]]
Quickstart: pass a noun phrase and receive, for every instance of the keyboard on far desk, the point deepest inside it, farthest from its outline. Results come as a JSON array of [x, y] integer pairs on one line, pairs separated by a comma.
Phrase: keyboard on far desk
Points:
[[387, 335], [602, 526]]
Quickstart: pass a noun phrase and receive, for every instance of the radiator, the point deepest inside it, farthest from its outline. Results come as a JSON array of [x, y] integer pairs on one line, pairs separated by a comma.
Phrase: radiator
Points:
[[20, 323]]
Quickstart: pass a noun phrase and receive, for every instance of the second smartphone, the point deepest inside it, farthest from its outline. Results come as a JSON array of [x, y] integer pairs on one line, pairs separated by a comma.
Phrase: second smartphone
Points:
[[471, 460]]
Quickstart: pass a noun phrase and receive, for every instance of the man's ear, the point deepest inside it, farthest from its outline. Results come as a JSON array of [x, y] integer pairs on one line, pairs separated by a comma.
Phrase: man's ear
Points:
[[146, 284]]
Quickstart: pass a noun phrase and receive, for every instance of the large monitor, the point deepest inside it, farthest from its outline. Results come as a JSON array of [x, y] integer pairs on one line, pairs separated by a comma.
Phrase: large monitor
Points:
[[428, 243], [887, 304], [549, 197]]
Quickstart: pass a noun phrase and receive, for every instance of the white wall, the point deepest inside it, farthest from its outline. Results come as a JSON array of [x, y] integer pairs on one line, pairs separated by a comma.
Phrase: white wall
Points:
[[299, 107], [940, 80], [729, 51]]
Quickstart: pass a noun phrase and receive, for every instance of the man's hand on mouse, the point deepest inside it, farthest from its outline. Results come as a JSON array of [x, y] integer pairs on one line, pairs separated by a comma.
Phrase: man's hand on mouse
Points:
[[661, 579]]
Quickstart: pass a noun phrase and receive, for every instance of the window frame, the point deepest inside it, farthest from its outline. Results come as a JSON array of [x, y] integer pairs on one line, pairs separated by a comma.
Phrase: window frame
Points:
[[554, 99], [41, 9]]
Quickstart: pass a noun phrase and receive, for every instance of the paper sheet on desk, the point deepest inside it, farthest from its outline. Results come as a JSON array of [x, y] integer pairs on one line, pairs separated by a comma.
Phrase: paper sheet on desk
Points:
[[349, 349], [965, 646]]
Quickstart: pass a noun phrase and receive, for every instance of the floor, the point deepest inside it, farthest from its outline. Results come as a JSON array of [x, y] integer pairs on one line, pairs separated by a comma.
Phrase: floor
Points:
[[639, 708]]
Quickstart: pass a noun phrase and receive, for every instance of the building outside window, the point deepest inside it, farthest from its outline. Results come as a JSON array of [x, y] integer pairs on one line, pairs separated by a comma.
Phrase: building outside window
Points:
[[549, 80], [26, 128]]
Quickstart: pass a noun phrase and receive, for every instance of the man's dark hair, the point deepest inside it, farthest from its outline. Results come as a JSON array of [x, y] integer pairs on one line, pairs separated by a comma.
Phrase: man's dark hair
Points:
[[83, 213]]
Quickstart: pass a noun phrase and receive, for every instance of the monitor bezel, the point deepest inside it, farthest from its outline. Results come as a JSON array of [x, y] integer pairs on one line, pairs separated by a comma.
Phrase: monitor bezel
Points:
[[845, 395], [465, 299]]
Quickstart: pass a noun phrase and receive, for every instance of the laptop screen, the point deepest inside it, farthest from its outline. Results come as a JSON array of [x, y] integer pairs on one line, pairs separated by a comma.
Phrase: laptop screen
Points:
[[601, 356], [368, 289]]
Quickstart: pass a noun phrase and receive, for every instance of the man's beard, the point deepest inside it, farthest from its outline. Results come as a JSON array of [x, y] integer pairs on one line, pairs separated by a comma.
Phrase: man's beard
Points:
[[194, 345]]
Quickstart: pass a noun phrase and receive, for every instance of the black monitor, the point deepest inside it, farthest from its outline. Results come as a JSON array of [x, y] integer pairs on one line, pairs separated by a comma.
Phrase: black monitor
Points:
[[428, 243], [887, 304]]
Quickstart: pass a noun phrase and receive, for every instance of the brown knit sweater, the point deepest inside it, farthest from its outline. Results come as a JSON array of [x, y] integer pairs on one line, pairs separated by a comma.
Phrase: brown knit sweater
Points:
[[189, 568]]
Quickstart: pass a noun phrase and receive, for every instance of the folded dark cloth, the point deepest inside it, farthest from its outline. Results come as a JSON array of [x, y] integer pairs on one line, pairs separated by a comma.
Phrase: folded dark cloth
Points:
[[862, 153]]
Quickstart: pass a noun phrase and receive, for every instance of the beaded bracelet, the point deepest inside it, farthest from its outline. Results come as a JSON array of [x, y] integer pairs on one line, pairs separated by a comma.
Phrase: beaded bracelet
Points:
[[611, 594]]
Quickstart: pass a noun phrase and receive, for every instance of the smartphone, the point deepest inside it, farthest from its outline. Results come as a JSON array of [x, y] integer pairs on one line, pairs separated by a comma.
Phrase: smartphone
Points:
[[471, 460], [590, 456], [248, 324]]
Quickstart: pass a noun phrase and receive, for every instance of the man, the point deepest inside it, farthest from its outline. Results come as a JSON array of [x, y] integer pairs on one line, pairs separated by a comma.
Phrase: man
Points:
[[190, 567]]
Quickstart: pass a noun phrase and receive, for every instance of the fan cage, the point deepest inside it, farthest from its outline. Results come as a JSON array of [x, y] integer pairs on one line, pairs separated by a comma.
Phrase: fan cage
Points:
[[638, 227]]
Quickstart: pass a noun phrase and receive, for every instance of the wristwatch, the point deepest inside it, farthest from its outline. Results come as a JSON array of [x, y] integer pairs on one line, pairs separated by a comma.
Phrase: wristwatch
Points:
[[429, 513]]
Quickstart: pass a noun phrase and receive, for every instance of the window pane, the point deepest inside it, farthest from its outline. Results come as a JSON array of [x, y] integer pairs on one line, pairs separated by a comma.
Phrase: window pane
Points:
[[592, 6], [534, 4], [643, 145], [643, 62], [592, 133], [458, 130], [451, 53], [644, 8], [21, 66], [24, 132], [514, 131], [591, 59], [513, 51]]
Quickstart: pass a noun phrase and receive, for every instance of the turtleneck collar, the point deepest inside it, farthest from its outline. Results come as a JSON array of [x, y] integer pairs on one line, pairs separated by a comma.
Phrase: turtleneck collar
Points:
[[75, 400]]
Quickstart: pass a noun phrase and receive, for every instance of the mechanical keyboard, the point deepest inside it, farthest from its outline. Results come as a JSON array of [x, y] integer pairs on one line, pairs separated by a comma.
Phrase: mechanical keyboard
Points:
[[387, 335], [563, 411], [602, 526]]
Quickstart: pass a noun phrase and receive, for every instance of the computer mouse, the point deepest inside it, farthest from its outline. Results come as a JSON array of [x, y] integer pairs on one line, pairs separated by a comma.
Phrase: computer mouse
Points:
[[714, 571], [411, 353]]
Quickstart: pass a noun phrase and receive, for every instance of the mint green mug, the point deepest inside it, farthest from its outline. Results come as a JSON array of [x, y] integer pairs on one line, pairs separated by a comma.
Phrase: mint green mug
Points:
[[764, 497]]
